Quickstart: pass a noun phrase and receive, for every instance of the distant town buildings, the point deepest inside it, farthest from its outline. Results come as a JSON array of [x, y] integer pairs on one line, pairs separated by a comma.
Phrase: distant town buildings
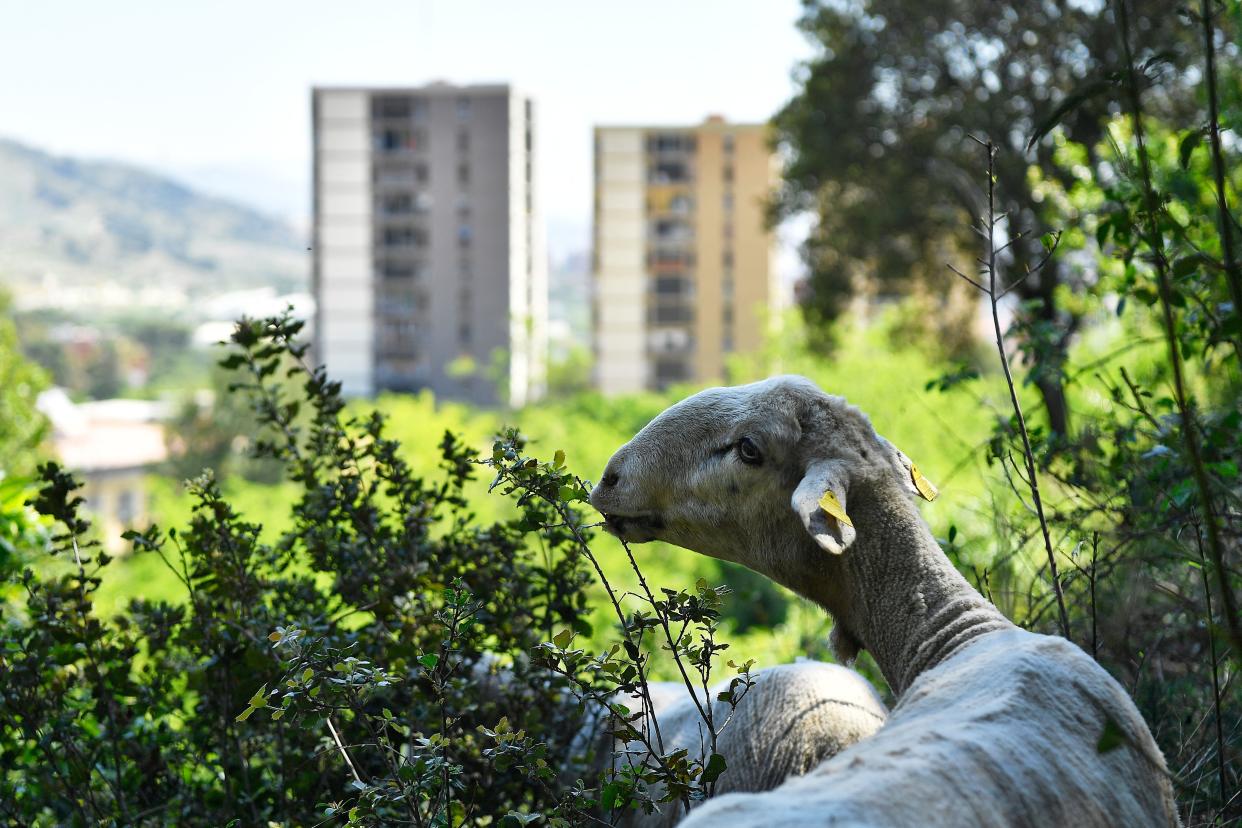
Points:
[[684, 262], [112, 445], [429, 269]]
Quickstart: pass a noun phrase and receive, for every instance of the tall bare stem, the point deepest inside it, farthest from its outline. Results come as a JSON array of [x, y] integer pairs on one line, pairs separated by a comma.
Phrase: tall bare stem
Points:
[[1155, 241], [994, 296]]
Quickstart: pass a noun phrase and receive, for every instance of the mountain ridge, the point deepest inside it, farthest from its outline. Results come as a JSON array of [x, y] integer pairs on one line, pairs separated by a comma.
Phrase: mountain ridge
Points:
[[84, 224]]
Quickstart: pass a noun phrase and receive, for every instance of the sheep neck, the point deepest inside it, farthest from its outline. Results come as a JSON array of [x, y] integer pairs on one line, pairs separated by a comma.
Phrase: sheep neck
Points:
[[895, 591]]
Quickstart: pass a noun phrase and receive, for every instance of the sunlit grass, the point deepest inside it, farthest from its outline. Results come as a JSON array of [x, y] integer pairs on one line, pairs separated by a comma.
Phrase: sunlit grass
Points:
[[945, 432]]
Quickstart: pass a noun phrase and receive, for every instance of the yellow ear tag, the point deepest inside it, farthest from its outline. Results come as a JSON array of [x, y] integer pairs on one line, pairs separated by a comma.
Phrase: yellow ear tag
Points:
[[925, 487], [832, 506]]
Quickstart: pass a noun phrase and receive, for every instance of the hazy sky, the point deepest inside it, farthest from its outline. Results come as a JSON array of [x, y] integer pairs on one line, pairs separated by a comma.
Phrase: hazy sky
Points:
[[219, 92]]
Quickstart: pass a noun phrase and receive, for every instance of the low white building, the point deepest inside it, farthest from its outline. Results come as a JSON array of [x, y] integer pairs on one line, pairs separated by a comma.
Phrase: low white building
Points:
[[111, 445]]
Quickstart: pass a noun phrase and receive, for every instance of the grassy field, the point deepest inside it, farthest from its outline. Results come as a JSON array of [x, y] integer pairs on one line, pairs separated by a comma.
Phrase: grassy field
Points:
[[944, 432]]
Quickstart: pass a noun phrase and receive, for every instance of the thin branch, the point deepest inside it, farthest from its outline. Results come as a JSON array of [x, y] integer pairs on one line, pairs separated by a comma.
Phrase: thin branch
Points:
[[1028, 453], [967, 278], [1056, 243], [341, 747], [1232, 275], [1156, 242]]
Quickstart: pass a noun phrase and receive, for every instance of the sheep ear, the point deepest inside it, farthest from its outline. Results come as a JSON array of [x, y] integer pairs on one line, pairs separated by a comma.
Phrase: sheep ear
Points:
[[820, 501], [914, 481]]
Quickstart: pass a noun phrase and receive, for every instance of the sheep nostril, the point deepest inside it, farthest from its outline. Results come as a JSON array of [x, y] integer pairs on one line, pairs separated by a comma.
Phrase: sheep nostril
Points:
[[610, 479]]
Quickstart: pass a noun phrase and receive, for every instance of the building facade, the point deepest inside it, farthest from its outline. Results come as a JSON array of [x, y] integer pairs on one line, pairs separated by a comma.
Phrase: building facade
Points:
[[113, 446], [684, 264], [428, 268]]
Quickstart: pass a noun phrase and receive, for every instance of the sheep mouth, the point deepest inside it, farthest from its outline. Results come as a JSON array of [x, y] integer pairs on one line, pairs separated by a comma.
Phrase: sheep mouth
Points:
[[633, 528]]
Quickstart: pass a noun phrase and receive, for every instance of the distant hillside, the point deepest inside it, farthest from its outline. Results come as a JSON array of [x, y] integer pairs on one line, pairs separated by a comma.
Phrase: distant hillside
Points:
[[87, 229]]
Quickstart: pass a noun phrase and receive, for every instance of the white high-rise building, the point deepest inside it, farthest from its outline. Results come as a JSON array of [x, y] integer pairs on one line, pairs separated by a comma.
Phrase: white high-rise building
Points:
[[429, 264]]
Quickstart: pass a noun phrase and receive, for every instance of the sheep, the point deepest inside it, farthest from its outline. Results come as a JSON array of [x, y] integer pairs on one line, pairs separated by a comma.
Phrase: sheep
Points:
[[993, 725], [795, 716], [792, 718]]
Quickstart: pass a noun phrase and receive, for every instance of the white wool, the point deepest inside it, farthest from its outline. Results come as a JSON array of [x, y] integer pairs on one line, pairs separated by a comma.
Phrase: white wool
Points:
[[1004, 732], [795, 716], [993, 726]]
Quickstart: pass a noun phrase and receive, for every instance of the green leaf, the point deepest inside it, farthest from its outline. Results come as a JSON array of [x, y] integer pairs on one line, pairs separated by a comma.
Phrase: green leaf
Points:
[[429, 660], [1187, 147], [259, 699], [558, 459], [1068, 104], [245, 714], [1185, 266], [562, 638], [307, 674], [715, 766], [1112, 737], [608, 796]]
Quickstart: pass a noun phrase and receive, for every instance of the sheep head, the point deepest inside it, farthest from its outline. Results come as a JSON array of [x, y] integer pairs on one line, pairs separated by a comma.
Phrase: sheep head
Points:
[[751, 474]]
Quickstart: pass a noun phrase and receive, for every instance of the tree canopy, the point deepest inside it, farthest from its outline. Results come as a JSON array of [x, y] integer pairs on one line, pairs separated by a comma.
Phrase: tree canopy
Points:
[[878, 148]]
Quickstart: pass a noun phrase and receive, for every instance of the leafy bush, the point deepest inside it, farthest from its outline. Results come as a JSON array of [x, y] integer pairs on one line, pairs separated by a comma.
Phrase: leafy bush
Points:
[[387, 659]]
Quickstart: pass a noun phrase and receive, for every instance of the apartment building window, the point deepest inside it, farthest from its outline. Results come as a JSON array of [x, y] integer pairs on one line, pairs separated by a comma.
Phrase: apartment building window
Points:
[[671, 314], [680, 204], [727, 259], [400, 269], [398, 204], [665, 259], [400, 302], [465, 234], [671, 286], [422, 174], [728, 173], [728, 144], [672, 230], [727, 315], [671, 370], [463, 141], [391, 107], [668, 172], [397, 139], [398, 335], [405, 236], [463, 109], [726, 343], [670, 142], [418, 109], [669, 341], [728, 202], [463, 175]]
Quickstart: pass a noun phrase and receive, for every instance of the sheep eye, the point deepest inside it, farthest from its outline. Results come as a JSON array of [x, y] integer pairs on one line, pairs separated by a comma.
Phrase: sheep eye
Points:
[[748, 452]]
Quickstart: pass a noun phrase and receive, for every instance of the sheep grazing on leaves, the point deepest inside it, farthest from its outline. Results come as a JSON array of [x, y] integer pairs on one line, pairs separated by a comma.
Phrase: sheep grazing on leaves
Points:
[[993, 725], [793, 717]]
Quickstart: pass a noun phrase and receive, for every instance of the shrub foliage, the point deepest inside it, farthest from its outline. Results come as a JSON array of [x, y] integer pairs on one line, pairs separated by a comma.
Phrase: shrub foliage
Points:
[[388, 660]]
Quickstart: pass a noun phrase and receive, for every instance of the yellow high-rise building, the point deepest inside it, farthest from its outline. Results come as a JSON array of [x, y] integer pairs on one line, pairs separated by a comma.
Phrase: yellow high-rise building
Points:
[[684, 270]]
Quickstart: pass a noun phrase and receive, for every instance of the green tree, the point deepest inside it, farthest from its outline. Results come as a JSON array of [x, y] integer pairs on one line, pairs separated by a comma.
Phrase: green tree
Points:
[[876, 139], [21, 425]]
